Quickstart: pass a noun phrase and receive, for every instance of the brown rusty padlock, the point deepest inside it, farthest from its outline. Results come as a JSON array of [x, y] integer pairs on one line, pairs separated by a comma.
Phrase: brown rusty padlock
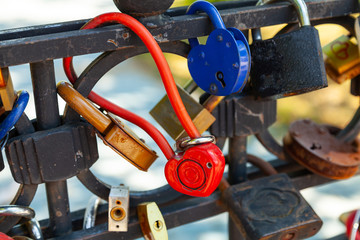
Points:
[[201, 115], [112, 131], [316, 148]]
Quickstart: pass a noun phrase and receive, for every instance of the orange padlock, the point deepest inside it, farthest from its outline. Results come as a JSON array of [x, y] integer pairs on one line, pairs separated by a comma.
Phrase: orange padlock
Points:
[[112, 131]]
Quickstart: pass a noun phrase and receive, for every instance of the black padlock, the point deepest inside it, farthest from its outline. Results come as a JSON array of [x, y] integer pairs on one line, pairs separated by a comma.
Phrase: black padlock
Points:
[[271, 208], [240, 115], [288, 64]]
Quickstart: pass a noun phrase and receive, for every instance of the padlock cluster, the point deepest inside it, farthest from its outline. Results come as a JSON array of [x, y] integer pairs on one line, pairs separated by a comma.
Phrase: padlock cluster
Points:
[[239, 85]]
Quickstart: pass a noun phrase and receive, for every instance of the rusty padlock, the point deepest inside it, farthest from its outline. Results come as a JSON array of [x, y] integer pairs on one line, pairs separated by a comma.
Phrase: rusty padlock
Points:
[[112, 131], [151, 221], [342, 61], [7, 92], [315, 147], [201, 115], [270, 208]]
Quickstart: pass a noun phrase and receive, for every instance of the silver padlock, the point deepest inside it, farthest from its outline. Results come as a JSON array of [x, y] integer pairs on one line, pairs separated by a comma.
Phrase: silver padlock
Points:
[[118, 209]]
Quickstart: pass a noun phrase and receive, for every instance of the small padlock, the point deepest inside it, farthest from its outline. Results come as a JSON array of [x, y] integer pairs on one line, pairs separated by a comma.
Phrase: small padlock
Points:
[[270, 208], [118, 214], [112, 131], [198, 167], [342, 62], [7, 92], [151, 221], [317, 149], [290, 63], [164, 114], [222, 66]]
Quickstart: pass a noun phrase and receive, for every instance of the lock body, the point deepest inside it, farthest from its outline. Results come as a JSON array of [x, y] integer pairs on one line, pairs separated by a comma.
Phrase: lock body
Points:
[[271, 208], [290, 67], [7, 92], [342, 60], [113, 132], [197, 171], [314, 147], [118, 209], [165, 115], [221, 66], [151, 221]]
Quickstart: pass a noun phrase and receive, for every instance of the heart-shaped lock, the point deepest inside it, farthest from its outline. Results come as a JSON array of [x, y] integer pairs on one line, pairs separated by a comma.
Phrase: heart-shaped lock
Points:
[[222, 66], [197, 171]]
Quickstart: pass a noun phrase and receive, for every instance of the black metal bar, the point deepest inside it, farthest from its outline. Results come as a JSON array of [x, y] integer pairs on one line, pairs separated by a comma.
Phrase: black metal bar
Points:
[[72, 43], [237, 173], [237, 160], [47, 113]]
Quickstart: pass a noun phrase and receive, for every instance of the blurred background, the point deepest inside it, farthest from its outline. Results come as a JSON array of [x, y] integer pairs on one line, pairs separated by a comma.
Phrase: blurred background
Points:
[[136, 86]]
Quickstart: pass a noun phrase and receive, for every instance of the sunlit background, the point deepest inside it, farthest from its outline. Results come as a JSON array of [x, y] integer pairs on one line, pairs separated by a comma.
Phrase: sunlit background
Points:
[[136, 86]]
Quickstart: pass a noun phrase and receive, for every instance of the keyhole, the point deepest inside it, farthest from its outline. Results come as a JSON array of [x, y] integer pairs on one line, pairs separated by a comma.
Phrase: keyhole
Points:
[[158, 225], [315, 146], [220, 78]]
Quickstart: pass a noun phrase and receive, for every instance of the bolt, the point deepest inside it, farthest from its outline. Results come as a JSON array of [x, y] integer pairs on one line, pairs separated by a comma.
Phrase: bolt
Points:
[[191, 60], [235, 65], [219, 38], [202, 54], [213, 88], [228, 44]]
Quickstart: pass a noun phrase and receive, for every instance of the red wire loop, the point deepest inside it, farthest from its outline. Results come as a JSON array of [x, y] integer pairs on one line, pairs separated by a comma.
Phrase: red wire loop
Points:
[[165, 73]]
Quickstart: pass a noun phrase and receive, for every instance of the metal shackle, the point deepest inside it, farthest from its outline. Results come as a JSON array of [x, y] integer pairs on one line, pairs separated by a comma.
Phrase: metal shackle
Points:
[[300, 7], [211, 11]]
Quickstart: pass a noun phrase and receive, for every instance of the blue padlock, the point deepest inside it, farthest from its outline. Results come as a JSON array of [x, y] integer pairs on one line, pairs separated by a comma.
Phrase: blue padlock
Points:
[[15, 114], [222, 66]]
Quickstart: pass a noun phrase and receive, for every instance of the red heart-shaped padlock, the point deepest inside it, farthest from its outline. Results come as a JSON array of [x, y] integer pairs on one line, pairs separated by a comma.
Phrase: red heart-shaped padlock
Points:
[[197, 171]]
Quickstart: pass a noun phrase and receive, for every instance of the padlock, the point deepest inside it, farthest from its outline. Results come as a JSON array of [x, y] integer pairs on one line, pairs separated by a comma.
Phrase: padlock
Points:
[[196, 170], [3, 236], [32, 224], [351, 222], [151, 221], [164, 114], [343, 61], [112, 131], [222, 66], [290, 63], [118, 215], [270, 208], [7, 92], [317, 149]]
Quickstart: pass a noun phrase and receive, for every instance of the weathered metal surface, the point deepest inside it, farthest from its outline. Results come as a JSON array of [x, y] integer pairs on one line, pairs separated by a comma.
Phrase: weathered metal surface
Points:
[[32, 160], [271, 208], [47, 115], [143, 8], [269, 142], [56, 45], [290, 67], [242, 116], [314, 147]]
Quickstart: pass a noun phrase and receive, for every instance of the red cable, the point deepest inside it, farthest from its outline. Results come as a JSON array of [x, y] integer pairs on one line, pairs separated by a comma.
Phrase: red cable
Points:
[[165, 73]]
